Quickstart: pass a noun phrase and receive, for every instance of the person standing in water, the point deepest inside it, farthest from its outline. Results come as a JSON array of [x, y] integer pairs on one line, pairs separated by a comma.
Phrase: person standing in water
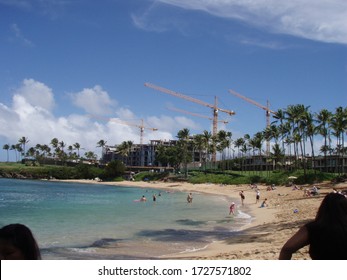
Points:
[[242, 195], [190, 198], [232, 208]]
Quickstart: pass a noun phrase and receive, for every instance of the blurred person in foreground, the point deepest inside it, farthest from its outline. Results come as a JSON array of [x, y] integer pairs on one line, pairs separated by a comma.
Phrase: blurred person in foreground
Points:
[[18, 243], [326, 234]]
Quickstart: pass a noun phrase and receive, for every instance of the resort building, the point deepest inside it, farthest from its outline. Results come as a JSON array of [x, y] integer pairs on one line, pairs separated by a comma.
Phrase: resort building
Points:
[[140, 155], [144, 156]]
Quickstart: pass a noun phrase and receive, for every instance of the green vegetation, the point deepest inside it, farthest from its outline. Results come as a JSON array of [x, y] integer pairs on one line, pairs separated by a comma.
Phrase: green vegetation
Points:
[[79, 171], [115, 170], [241, 177]]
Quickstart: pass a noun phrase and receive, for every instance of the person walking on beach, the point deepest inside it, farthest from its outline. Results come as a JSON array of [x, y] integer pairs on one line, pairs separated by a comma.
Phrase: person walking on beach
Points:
[[242, 197], [232, 208], [326, 234], [18, 243], [257, 196]]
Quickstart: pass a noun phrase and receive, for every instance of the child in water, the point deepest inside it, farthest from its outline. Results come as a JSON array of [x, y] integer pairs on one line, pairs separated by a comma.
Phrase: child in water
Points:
[[232, 208]]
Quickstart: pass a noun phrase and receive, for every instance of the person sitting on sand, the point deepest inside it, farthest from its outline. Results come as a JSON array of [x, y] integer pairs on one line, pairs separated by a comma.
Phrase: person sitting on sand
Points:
[[264, 203], [325, 235], [18, 243], [307, 193], [314, 190], [232, 208]]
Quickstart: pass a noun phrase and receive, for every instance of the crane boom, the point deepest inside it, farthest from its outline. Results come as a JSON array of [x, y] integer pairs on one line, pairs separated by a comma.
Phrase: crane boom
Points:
[[192, 99], [195, 114], [214, 107], [266, 108]]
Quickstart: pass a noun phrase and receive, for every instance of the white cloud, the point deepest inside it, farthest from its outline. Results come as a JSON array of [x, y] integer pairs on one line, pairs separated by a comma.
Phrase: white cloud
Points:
[[24, 4], [321, 20], [19, 37], [30, 114], [94, 100], [36, 94]]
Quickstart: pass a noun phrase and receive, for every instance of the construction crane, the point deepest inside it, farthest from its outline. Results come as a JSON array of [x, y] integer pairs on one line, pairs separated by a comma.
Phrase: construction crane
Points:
[[214, 107], [195, 114], [140, 126], [268, 112]]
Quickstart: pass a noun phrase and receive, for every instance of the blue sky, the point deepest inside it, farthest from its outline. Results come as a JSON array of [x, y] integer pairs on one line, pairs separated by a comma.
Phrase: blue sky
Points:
[[64, 60]]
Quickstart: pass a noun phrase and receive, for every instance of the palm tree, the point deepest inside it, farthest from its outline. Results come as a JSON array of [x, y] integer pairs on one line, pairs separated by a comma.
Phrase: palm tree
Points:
[[183, 138], [199, 145], [70, 149], [311, 131], [23, 141], [277, 154], [54, 142], [91, 156], [124, 150], [31, 152], [77, 146], [255, 143], [19, 149], [323, 119], [296, 115], [280, 116], [238, 143], [6, 147], [62, 145], [14, 148], [338, 125], [223, 142], [207, 138], [101, 143]]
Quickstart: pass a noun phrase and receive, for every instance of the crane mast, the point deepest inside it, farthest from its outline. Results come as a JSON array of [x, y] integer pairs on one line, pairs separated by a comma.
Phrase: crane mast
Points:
[[214, 107], [268, 112]]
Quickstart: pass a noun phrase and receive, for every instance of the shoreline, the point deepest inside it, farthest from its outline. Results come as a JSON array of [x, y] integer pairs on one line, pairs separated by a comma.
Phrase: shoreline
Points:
[[270, 228]]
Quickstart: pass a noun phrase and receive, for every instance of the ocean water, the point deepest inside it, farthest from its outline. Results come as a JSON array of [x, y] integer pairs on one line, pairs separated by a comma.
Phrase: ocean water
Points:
[[87, 221]]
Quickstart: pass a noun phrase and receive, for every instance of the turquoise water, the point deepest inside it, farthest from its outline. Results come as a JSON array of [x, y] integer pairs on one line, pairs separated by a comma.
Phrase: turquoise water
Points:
[[87, 221]]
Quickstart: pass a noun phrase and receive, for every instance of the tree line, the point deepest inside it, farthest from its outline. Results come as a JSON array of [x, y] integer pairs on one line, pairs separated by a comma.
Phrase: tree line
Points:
[[56, 149], [292, 133]]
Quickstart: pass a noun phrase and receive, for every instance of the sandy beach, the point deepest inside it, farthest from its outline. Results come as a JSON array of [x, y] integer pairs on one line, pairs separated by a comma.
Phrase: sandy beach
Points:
[[286, 212]]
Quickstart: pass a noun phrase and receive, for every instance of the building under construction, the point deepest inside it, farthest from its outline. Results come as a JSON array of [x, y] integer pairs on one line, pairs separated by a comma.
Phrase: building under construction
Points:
[[140, 155]]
